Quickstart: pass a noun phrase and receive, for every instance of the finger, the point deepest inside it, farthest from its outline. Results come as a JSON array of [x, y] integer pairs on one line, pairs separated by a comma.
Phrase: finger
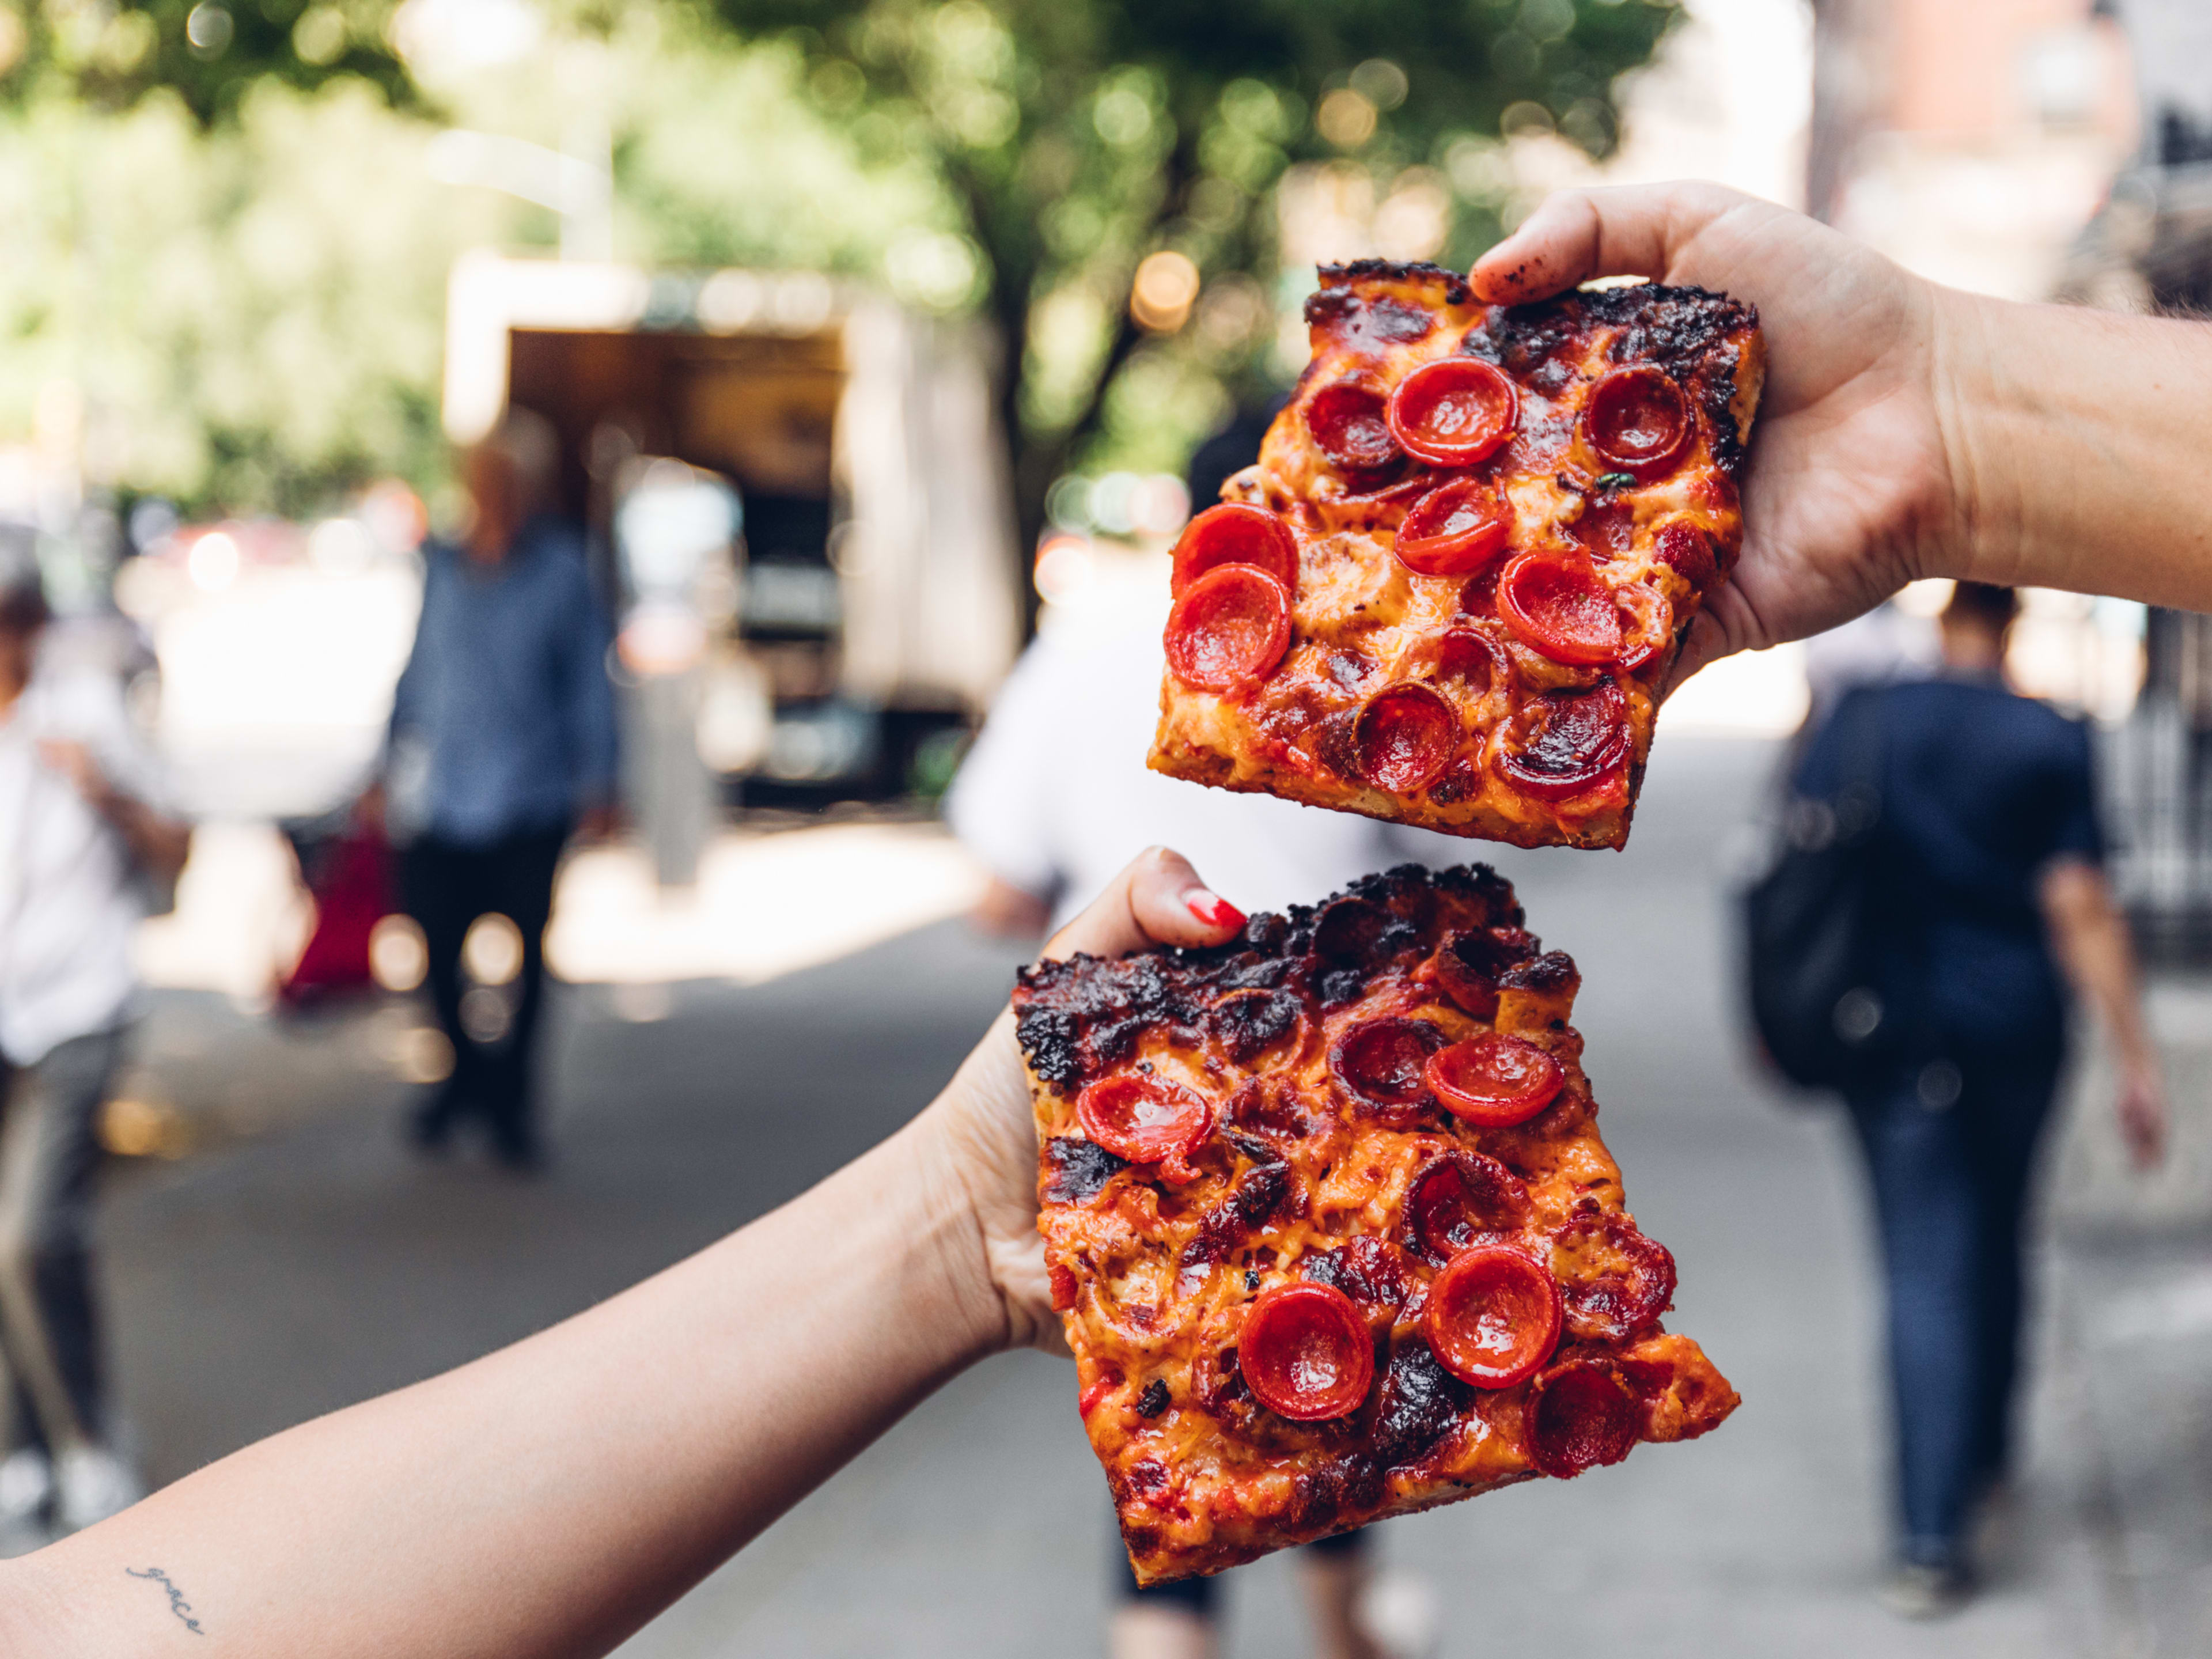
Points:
[[1158, 899], [1624, 230], [1705, 641]]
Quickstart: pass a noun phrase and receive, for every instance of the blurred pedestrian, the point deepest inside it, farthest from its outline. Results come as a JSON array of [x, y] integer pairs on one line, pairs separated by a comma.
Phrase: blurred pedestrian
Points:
[[1987, 893], [1055, 798], [502, 745], [85, 838]]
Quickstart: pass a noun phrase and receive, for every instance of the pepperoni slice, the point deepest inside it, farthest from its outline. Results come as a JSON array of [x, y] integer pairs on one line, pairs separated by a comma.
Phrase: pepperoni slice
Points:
[[1555, 602], [1574, 739], [1615, 1279], [1454, 411], [1493, 1316], [1143, 1118], [1405, 738], [1688, 550], [1470, 658], [1234, 533], [1305, 1353], [1231, 627], [1455, 1199], [1454, 530], [1638, 421], [1466, 965], [1352, 426], [1494, 1081], [1382, 1061], [1580, 1418]]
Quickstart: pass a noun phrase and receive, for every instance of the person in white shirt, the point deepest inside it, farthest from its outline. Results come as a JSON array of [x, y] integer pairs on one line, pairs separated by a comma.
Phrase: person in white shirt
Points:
[[84, 839]]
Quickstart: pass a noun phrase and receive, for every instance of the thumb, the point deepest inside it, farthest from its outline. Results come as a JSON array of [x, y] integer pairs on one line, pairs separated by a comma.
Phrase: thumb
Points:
[[1622, 230], [1158, 899]]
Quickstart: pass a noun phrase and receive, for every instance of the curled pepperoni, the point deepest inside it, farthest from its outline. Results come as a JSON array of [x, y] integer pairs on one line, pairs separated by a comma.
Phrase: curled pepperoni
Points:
[[1354, 931], [1249, 1022], [1466, 965], [1638, 421], [1492, 1316], [1234, 533], [1574, 739], [1470, 658], [1405, 738], [1556, 603], [1457, 1197], [1380, 1061], [1494, 1081], [1143, 1118], [1352, 427], [1688, 550], [1580, 1416], [1231, 626], [1454, 411], [1305, 1353], [1615, 1279], [1456, 528]]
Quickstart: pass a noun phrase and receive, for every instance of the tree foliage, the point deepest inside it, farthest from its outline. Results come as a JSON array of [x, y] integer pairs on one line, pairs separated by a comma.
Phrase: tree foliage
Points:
[[1081, 135], [209, 53]]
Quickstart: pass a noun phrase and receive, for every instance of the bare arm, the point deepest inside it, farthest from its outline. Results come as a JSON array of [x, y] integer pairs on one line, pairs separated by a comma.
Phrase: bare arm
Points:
[[159, 844], [549, 1499], [2091, 938], [1908, 430]]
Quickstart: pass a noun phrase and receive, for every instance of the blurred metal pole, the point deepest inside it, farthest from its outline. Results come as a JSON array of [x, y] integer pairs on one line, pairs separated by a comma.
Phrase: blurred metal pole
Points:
[[1850, 89]]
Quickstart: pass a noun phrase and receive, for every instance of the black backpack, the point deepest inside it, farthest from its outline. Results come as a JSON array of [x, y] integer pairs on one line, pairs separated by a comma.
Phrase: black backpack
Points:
[[1808, 931]]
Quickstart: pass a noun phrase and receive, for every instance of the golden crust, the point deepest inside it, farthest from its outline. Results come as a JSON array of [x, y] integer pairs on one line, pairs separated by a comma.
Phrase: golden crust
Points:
[[1154, 1274], [1362, 620]]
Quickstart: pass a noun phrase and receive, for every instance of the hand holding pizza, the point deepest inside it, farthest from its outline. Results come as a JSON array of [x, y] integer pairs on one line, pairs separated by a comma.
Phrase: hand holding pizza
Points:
[[1908, 430], [985, 1112]]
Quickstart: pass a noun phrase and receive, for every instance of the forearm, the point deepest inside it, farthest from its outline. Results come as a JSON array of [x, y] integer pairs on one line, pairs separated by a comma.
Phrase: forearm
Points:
[[2076, 441], [2090, 937], [552, 1496]]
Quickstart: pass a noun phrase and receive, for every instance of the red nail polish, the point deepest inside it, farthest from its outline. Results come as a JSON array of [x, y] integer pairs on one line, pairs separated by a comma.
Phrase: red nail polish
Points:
[[1214, 911]]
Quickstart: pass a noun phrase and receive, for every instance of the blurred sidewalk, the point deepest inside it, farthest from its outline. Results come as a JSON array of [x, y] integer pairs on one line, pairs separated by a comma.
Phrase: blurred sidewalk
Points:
[[302, 1261]]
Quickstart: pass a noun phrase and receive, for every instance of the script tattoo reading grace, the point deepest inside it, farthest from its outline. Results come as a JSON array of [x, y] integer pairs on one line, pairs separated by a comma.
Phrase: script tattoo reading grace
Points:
[[178, 1605]]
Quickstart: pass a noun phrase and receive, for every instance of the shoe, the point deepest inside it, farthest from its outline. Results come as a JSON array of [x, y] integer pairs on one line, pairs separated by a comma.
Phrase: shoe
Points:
[[1918, 1591], [90, 1484], [1397, 1613], [27, 1483]]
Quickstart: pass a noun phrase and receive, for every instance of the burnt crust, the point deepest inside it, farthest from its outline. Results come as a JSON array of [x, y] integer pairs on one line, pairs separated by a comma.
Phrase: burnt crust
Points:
[[1456, 291], [1692, 332]]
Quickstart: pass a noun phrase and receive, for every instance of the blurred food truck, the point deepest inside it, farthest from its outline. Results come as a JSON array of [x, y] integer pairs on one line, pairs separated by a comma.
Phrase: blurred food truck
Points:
[[798, 510]]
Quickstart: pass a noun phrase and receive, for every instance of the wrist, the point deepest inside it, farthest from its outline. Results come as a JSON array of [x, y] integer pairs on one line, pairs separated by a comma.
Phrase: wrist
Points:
[[1978, 511], [969, 1306]]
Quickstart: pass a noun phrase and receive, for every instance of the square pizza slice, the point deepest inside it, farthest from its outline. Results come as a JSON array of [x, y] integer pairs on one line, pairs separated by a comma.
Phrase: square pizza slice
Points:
[[1330, 1227], [1449, 590]]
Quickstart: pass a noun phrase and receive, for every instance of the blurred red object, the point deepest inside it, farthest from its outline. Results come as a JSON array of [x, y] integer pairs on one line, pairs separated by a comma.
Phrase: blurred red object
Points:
[[352, 888]]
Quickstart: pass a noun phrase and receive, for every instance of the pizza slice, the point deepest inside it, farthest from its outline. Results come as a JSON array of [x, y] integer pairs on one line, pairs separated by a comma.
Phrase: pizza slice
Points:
[[1450, 590], [1330, 1227]]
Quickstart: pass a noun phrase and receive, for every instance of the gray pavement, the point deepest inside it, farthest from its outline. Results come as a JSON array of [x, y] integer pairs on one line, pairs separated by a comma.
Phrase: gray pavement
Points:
[[300, 1261]]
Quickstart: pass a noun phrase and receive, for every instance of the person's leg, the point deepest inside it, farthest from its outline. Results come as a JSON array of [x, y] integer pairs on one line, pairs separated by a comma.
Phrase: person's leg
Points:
[[1169, 1621], [1336, 1571], [434, 883], [1927, 1216], [521, 878], [51, 1153], [2008, 1108]]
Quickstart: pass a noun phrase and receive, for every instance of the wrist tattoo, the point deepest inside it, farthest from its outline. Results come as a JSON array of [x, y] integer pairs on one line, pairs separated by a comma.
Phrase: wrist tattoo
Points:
[[178, 1605]]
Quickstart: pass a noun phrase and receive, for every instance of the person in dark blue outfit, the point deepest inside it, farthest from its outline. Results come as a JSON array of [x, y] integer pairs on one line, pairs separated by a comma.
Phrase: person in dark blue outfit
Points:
[[1991, 897], [502, 745]]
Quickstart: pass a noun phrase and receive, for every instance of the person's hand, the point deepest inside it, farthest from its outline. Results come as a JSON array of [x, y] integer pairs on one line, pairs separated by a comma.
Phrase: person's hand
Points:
[[984, 1120], [1851, 493], [2140, 1105]]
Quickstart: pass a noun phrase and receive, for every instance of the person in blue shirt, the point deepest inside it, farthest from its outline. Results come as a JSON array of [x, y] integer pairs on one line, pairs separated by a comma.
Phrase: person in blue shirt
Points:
[[502, 745], [1990, 898]]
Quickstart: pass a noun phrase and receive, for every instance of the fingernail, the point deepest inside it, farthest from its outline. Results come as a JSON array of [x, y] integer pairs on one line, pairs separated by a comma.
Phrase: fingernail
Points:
[[1212, 909]]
